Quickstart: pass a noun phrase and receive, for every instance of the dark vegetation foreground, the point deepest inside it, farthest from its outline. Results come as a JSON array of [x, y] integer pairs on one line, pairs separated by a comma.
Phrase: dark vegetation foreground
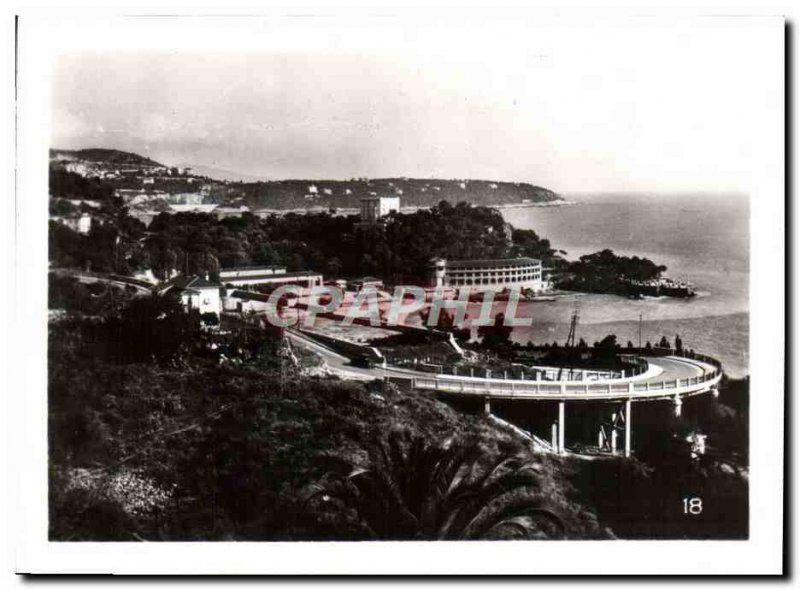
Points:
[[195, 447], [161, 430]]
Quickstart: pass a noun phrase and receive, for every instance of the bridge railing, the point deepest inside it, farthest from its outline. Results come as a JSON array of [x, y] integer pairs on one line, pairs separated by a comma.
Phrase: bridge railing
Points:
[[610, 388], [520, 372], [514, 389], [545, 374]]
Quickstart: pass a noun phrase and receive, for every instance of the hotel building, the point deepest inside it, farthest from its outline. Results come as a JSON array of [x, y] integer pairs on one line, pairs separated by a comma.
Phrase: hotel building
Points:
[[489, 275]]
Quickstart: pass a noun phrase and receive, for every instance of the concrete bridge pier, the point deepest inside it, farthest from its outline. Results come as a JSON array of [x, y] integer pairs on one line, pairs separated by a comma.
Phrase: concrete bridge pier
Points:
[[678, 404], [620, 425], [487, 406], [627, 428], [561, 426]]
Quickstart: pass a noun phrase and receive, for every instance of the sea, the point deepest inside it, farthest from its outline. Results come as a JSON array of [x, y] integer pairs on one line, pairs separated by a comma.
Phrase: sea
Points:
[[702, 238]]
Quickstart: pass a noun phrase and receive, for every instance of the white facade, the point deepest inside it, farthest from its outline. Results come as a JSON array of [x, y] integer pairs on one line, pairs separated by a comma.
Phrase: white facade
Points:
[[489, 275], [203, 299], [84, 224], [373, 208]]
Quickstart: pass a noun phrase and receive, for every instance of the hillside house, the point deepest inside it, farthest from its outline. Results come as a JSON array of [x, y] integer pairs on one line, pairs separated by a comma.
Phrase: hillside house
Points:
[[196, 292]]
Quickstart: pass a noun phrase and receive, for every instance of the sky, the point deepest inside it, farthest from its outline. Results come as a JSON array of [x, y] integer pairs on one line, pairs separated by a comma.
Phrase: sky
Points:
[[587, 107]]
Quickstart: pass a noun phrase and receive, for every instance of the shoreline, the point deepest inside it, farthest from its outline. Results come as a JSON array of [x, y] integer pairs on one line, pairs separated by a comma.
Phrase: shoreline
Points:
[[411, 208]]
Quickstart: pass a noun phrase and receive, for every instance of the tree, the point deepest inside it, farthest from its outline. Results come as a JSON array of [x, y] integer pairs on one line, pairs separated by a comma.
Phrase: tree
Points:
[[333, 266], [457, 489], [606, 349], [663, 343], [154, 327], [496, 335]]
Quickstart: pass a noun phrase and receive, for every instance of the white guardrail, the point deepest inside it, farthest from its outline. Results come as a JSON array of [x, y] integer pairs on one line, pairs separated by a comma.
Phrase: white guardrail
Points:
[[616, 389]]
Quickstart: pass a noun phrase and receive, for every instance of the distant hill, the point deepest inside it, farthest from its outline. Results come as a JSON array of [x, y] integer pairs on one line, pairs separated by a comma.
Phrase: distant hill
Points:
[[122, 170], [220, 173], [104, 156], [413, 192]]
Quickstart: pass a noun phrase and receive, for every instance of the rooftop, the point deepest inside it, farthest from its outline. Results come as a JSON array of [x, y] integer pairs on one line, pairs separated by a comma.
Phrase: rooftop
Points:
[[184, 283], [490, 263], [270, 277], [250, 296]]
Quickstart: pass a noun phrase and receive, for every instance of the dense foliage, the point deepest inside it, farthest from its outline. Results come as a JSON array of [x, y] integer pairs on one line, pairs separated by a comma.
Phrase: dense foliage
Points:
[[160, 430], [454, 490], [643, 498], [605, 272], [68, 185], [114, 244], [332, 245]]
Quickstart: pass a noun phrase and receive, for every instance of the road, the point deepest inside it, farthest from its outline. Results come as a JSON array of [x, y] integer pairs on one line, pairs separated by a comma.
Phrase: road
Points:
[[118, 281], [667, 377]]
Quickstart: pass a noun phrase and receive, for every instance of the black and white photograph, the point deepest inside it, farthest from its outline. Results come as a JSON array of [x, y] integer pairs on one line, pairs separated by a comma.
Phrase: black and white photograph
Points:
[[480, 283]]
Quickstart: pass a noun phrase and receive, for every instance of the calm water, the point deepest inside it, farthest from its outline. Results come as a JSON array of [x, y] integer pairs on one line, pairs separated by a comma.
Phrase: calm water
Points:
[[702, 238]]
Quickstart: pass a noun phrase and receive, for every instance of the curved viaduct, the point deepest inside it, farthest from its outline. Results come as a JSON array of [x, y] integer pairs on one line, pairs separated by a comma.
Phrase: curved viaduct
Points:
[[666, 375]]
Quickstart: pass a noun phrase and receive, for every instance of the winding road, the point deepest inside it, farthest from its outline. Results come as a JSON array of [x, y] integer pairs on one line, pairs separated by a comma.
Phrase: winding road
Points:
[[667, 377]]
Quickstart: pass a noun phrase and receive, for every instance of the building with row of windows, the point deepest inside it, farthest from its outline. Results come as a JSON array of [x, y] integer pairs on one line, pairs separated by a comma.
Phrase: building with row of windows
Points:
[[489, 275], [252, 277]]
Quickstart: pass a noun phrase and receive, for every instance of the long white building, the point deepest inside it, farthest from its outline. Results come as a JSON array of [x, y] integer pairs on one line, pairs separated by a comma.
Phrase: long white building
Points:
[[244, 273], [273, 276], [489, 275]]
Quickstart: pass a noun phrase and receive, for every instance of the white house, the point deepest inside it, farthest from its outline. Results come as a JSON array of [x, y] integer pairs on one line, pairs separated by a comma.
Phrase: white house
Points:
[[196, 293]]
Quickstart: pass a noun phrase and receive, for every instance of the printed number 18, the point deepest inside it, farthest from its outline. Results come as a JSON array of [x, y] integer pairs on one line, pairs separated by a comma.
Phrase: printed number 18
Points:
[[692, 506]]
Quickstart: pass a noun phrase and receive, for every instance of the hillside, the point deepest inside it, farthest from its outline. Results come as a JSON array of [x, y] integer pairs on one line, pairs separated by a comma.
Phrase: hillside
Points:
[[219, 173], [104, 156], [124, 170], [413, 192], [236, 446]]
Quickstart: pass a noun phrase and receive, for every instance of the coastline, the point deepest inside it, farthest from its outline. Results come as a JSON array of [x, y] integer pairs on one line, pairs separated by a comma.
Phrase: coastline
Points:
[[412, 208]]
